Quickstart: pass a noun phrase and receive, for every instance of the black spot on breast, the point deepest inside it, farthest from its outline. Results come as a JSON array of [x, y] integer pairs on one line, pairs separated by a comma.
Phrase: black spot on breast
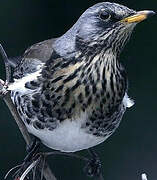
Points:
[[70, 111], [36, 96], [67, 63], [76, 85], [20, 112], [53, 96], [108, 95], [29, 86], [89, 100], [41, 118], [80, 98], [38, 125], [102, 93], [29, 115], [98, 123], [27, 121], [69, 78], [42, 111], [30, 109], [92, 119], [94, 88], [97, 96], [66, 96], [91, 78], [19, 100], [21, 69], [87, 92], [35, 110], [84, 106], [111, 127], [73, 105], [96, 134], [85, 81], [82, 75], [103, 100], [52, 88], [48, 85], [58, 97], [34, 83], [114, 120], [63, 104], [104, 84], [47, 96], [36, 103], [57, 79], [88, 70], [58, 111], [16, 93], [49, 111], [105, 125], [59, 88], [46, 104], [101, 105], [111, 82], [22, 108]]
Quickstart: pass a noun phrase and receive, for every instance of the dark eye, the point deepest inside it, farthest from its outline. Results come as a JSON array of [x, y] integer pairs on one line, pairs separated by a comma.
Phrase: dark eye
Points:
[[104, 15]]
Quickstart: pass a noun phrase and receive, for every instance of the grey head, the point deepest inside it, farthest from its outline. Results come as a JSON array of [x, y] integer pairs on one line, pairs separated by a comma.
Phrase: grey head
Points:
[[101, 27], [104, 25]]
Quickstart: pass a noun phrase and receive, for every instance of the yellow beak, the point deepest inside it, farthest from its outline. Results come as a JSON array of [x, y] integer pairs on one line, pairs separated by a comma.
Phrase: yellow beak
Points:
[[138, 17]]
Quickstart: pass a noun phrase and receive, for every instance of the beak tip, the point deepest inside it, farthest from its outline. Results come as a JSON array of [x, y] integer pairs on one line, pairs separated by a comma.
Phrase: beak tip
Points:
[[139, 16], [151, 13]]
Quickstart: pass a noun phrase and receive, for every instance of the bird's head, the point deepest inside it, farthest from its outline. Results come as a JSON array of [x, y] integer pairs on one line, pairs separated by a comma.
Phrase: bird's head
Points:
[[107, 25]]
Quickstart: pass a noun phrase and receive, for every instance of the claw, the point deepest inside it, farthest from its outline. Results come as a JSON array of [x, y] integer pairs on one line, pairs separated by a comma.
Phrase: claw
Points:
[[32, 149], [93, 167]]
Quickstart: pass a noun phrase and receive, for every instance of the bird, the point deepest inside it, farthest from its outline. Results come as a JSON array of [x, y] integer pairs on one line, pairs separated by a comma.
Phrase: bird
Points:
[[71, 91]]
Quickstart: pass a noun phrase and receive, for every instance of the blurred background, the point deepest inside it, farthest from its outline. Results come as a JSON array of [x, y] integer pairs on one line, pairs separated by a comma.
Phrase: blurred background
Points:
[[132, 149]]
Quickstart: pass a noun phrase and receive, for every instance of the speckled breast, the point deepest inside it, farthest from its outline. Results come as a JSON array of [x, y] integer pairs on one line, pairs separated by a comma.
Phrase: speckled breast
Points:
[[45, 107]]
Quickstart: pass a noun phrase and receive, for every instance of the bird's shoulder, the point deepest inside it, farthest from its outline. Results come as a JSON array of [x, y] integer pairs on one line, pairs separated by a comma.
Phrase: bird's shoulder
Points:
[[41, 51]]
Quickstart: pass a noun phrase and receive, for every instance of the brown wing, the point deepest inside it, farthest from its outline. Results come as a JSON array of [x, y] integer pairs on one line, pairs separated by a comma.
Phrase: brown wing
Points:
[[41, 51]]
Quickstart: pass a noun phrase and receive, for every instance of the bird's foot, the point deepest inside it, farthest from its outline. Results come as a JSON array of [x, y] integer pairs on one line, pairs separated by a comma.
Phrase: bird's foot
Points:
[[93, 166], [32, 149], [30, 161]]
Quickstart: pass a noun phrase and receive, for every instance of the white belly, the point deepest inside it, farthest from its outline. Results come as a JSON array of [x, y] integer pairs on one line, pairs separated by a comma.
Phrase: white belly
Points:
[[68, 137]]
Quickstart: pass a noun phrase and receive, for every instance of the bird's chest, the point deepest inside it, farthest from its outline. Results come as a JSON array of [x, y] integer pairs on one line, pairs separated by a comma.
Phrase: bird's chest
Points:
[[102, 98], [46, 103]]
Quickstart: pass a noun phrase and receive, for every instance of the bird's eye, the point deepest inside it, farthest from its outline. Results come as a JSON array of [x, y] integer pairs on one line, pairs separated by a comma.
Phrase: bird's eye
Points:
[[104, 15]]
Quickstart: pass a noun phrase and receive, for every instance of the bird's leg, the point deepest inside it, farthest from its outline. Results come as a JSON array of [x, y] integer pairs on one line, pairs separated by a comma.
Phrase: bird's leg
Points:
[[32, 149], [93, 167]]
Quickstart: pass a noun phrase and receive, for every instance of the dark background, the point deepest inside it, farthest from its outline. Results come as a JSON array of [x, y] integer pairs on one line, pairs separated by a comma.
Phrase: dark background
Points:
[[132, 149]]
